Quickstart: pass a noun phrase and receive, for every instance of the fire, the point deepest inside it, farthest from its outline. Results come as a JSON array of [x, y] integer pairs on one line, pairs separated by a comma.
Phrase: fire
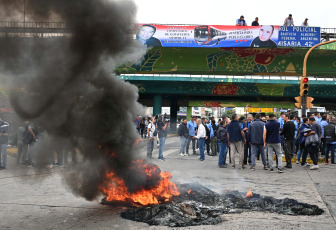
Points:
[[116, 189], [249, 194]]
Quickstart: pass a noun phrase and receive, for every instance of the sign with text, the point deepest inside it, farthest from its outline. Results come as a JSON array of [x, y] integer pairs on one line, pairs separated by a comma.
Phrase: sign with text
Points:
[[153, 35], [299, 36]]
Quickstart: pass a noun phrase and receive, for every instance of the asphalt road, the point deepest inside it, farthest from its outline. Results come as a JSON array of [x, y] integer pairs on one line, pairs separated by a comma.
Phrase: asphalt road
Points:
[[40, 200]]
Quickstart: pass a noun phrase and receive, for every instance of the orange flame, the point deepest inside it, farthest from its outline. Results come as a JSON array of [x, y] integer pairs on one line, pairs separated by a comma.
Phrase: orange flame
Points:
[[116, 190], [189, 191], [249, 194]]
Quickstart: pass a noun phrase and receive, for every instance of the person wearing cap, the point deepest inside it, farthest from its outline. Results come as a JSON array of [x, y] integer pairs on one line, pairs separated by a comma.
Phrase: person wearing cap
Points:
[[289, 21], [145, 36], [305, 23], [241, 21]]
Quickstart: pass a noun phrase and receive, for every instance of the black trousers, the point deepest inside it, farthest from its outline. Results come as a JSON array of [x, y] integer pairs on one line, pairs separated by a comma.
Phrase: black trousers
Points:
[[288, 147], [323, 146], [247, 153], [304, 156], [207, 144], [313, 151]]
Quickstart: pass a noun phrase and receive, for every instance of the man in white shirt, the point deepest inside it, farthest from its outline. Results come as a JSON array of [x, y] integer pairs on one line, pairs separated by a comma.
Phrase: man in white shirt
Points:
[[289, 21], [150, 138], [201, 135]]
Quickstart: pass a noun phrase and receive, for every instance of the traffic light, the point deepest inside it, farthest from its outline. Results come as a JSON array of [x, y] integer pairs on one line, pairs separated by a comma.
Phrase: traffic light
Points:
[[309, 101], [304, 86], [298, 103]]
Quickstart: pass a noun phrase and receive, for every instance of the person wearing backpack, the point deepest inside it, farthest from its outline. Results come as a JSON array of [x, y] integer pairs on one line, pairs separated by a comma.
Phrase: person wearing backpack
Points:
[[312, 146], [183, 132], [151, 131]]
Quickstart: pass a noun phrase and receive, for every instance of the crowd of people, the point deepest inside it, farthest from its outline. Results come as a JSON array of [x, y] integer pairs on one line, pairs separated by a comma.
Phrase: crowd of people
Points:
[[289, 21], [252, 138], [26, 138]]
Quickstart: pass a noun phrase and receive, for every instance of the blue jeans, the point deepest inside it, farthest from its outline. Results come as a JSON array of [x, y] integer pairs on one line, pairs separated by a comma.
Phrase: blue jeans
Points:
[[201, 145], [255, 148], [162, 141], [183, 144], [3, 155], [330, 147], [293, 148], [222, 152], [299, 155]]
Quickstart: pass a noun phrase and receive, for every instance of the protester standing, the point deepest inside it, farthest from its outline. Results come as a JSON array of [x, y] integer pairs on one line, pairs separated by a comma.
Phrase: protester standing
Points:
[[313, 147], [330, 137], [303, 150], [4, 130], [191, 125], [183, 133], [201, 136], [162, 124], [151, 133], [222, 142], [255, 133], [247, 146], [213, 137], [288, 132], [272, 141], [236, 140]]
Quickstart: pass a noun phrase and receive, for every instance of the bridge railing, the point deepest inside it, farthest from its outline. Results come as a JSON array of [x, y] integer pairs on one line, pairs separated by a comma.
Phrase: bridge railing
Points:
[[256, 77], [46, 25], [328, 34], [17, 27]]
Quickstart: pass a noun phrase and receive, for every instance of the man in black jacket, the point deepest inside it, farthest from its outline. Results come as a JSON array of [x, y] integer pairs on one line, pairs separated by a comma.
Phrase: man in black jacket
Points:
[[183, 132], [255, 135], [288, 131]]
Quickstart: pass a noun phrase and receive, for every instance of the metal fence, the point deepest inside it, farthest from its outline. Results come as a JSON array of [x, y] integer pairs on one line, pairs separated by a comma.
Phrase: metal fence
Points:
[[15, 28], [47, 25], [328, 34]]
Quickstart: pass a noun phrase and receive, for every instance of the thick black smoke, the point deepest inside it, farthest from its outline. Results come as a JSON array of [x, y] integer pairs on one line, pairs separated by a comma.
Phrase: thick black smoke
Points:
[[70, 90]]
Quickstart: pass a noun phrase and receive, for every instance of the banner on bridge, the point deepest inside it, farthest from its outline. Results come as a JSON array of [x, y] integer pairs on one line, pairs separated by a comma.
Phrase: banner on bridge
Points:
[[154, 35]]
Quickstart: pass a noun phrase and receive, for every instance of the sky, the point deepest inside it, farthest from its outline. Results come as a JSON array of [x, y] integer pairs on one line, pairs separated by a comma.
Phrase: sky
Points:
[[223, 12]]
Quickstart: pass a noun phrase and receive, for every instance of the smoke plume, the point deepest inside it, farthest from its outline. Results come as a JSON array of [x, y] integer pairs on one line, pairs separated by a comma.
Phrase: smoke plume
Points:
[[70, 90]]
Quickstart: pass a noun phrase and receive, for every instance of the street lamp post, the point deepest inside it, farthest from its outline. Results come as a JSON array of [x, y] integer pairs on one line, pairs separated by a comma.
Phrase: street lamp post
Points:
[[304, 72]]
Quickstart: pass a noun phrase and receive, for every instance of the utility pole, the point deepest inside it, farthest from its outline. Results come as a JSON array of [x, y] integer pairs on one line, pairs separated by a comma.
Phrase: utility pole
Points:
[[304, 73]]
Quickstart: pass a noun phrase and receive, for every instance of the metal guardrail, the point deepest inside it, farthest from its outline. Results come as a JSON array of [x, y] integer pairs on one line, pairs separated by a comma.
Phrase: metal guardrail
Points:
[[258, 77], [328, 34], [47, 25], [17, 28]]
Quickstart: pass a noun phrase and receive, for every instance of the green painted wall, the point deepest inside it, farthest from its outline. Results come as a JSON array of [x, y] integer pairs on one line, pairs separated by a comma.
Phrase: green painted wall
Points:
[[234, 61]]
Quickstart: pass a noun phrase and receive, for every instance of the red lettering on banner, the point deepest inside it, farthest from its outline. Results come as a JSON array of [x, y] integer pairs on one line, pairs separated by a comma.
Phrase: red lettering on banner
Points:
[[224, 89]]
